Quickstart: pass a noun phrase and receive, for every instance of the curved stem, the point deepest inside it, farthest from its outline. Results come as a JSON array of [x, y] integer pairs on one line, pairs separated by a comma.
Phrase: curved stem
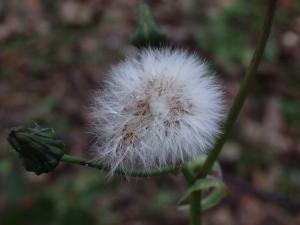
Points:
[[244, 89], [144, 173], [195, 204]]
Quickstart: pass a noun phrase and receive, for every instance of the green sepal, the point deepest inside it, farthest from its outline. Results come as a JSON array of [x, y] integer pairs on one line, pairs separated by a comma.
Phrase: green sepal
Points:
[[147, 33], [39, 148]]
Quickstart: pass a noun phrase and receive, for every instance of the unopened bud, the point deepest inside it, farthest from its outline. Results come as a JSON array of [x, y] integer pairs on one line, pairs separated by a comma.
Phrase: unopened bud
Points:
[[39, 149], [147, 32]]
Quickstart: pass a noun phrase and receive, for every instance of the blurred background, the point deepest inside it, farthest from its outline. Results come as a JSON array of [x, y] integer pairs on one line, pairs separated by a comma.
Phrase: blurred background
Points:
[[53, 54]]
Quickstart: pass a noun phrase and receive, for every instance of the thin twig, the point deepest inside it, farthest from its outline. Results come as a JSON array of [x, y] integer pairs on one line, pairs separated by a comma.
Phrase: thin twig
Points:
[[244, 89], [142, 173], [195, 199]]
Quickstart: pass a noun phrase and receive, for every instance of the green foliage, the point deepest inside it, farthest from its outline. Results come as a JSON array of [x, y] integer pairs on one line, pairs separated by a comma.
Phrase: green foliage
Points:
[[70, 200], [291, 111], [289, 182], [218, 192], [12, 183], [162, 200], [29, 212], [228, 34]]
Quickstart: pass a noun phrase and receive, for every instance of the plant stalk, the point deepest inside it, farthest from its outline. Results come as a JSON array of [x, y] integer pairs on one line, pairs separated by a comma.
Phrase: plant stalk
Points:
[[244, 89], [142, 173], [195, 199]]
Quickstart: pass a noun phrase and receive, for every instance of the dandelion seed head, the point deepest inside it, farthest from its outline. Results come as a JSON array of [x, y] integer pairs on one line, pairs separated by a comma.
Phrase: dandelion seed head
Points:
[[158, 108]]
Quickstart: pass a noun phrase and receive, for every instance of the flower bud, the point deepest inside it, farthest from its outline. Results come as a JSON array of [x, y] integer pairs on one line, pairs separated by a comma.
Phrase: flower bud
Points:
[[147, 32], [39, 149]]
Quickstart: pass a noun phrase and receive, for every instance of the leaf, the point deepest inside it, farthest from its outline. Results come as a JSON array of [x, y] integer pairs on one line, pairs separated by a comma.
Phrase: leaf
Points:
[[195, 165], [213, 198]]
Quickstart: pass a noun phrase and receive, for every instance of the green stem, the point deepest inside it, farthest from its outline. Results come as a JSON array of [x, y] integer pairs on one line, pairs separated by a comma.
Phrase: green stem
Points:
[[195, 199], [244, 89], [143, 173], [195, 208]]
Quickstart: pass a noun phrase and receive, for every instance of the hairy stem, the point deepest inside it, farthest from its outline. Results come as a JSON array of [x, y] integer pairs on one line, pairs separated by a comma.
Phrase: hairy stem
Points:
[[195, 199], [143, 173], [244, 89]]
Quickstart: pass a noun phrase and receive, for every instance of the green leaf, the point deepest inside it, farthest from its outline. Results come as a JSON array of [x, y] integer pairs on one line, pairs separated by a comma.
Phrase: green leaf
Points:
[[195, 165], [214, 198], [217, 193]]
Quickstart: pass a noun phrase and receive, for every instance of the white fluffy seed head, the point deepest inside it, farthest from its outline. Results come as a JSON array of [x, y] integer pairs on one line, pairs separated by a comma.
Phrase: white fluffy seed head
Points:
[[158, 108]]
